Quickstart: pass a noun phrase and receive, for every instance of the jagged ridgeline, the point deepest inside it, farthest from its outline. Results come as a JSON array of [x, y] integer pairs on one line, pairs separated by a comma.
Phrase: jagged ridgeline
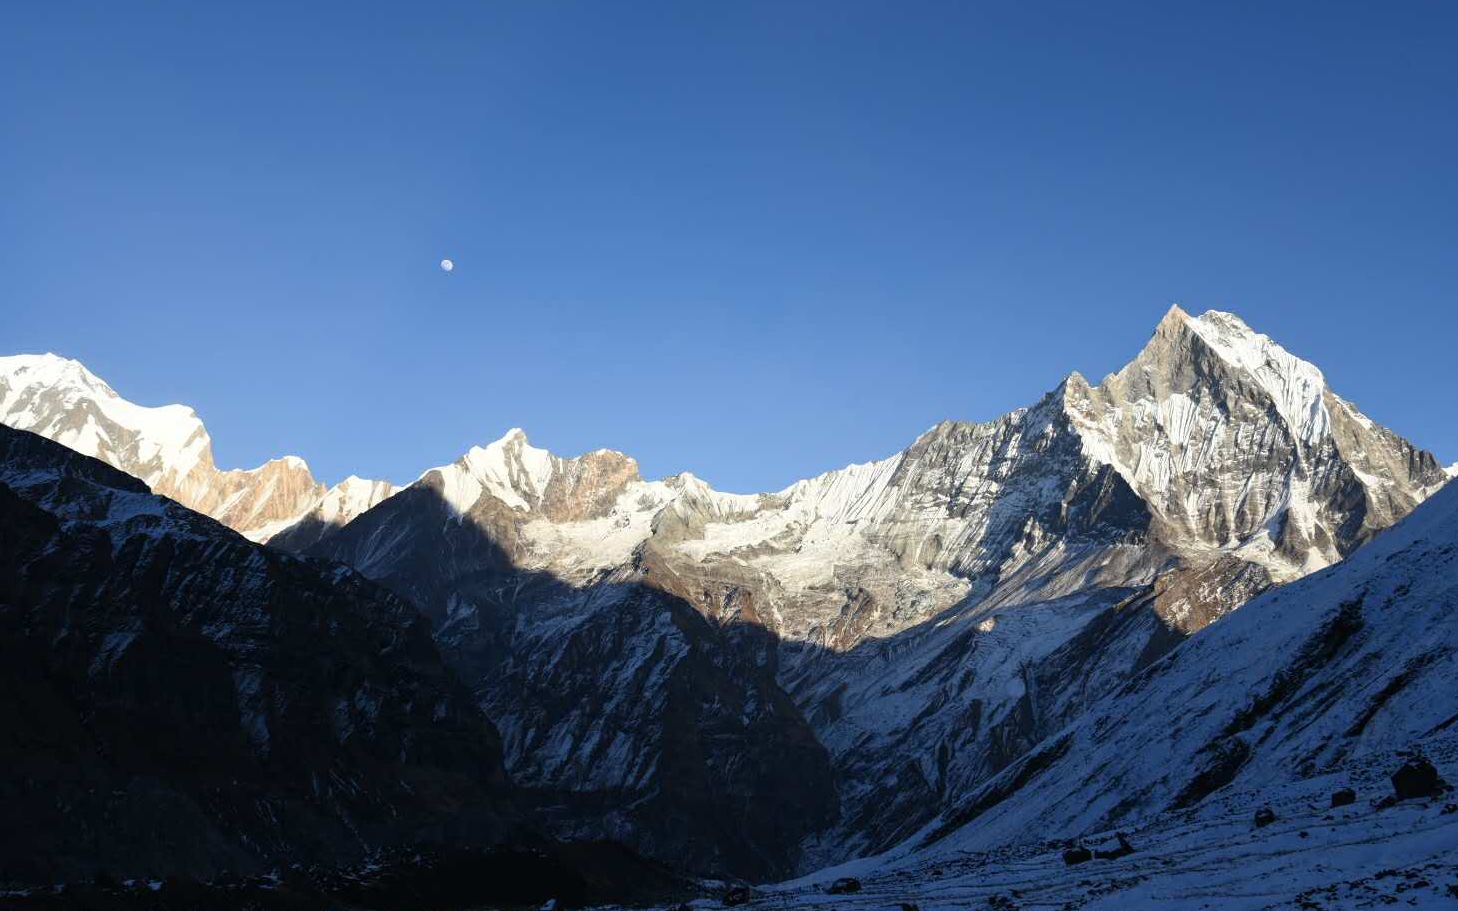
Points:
[[763, 684]]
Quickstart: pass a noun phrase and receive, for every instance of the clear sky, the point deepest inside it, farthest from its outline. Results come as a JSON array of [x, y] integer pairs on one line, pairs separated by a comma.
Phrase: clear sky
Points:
[[754, 241]]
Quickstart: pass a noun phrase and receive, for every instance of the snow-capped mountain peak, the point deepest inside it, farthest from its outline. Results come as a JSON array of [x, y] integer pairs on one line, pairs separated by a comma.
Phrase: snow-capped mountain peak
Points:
[[511, 468], [352, 497], [59, 398], [1210, 396], [1295, 386], [166, 446]]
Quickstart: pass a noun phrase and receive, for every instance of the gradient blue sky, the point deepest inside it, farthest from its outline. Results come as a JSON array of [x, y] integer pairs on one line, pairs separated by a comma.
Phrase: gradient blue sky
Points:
[[754, 241]]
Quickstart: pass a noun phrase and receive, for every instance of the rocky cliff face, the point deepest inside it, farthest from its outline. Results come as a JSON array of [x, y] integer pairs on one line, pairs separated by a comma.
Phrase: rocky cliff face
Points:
[[1240, 446], [168, 449], [176, 699], [931, 616]]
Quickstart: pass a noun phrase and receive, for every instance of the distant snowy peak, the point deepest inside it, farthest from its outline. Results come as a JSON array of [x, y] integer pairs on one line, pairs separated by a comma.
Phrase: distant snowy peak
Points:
[[59, 398], [340, 505], [526, 479], [1218, 350], [511, 469], [167, 447], [352, 497]]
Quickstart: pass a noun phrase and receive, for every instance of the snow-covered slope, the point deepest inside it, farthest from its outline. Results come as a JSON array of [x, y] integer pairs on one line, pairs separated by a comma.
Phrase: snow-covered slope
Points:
[[168, 448], [934, 614], [1329, 683], [1312, 857], [1343, 668]]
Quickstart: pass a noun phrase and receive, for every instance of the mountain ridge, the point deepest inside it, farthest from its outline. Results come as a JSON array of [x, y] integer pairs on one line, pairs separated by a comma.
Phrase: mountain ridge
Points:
[[901, 630], [928, 609], [1282, 375]]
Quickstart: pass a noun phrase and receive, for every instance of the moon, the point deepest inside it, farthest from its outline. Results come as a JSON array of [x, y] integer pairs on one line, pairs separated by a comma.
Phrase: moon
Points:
[[446, 265]]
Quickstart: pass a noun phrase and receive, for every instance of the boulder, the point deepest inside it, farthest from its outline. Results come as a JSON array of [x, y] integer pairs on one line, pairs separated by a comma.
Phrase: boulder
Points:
[[1343, 797], [846, 885], [1417, 777], [1264, 817], [1077, 855]]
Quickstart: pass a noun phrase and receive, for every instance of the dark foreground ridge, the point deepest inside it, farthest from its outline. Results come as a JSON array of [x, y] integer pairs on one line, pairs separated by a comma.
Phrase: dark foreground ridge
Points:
[[179, 706]]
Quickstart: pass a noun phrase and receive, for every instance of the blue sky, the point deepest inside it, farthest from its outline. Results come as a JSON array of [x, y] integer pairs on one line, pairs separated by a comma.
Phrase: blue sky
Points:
[[754, 241]]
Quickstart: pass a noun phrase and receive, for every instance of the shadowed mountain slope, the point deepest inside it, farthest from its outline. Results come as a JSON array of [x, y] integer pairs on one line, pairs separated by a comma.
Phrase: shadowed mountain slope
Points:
[[176, 699]]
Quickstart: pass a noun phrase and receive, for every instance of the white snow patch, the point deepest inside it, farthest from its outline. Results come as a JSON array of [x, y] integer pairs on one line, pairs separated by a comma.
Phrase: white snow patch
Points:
[[171, 436], [1296, 386]]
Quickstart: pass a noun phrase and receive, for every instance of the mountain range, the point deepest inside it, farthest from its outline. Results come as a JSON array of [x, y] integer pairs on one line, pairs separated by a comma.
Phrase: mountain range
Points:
[[762, 685]]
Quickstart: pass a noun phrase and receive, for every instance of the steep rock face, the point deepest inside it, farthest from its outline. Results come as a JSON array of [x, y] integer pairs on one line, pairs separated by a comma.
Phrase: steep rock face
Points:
[[175, 699], [934, 615], [166, 447], [256, 502], [1345, 668]]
